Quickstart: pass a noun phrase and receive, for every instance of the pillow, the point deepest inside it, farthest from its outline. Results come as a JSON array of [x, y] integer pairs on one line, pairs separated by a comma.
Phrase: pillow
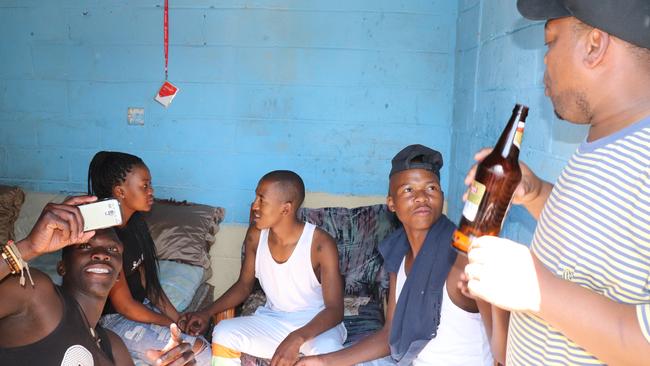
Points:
[[357, 232], [11, 199], [179, 281], [184, 231]]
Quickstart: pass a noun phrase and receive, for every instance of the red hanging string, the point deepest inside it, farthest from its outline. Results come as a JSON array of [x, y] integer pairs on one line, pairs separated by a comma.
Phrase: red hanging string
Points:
[[166, 35]]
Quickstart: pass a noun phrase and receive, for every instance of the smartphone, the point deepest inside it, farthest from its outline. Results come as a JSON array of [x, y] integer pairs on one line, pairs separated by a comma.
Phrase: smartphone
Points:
[[101, 214]]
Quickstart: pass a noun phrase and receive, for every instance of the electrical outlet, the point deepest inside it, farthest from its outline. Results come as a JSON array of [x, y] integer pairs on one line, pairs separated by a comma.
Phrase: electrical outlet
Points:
[[135, 116]]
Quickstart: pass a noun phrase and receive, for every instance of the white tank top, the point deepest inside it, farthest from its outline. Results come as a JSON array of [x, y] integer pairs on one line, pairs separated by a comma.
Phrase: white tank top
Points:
[[461, 339], [291, 286]]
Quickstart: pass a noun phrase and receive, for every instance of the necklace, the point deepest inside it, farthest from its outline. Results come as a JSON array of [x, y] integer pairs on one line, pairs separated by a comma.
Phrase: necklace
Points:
[[92, 331]]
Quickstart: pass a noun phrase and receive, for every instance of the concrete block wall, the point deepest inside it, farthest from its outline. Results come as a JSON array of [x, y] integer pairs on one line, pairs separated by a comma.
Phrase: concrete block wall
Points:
[[330, 89], [499, 62]]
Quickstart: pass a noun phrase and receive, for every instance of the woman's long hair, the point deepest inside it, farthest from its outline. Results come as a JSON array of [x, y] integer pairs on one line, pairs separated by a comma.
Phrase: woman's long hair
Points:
[[107, 170]]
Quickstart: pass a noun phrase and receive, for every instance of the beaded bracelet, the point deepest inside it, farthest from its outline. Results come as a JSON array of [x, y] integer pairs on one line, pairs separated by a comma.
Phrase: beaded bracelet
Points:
[[15, 262]]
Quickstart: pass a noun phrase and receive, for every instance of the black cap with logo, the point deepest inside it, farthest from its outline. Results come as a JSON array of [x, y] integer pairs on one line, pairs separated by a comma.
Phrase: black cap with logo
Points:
[[417, 157]]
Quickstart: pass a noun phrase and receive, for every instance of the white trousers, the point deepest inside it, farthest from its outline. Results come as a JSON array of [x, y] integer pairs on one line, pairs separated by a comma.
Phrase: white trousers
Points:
[[260, 334]]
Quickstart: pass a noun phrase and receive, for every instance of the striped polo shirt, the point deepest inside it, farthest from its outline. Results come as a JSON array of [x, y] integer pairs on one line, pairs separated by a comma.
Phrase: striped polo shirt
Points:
[[594, 231]]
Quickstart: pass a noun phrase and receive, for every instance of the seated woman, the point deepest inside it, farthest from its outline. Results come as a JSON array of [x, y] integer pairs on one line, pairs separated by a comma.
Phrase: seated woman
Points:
[[138, 309]]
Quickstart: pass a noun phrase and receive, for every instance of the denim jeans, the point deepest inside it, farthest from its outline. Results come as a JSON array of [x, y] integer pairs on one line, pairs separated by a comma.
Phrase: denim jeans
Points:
[[140, 337]]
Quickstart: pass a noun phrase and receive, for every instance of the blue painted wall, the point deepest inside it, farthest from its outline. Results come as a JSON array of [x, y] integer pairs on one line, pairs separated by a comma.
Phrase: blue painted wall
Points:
[[500, 62], [330, 89]]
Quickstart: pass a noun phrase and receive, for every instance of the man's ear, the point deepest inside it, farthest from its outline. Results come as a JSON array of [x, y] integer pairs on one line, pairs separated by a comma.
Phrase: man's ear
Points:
[[60, 268], [390, 203], [287, 208], [596, 46]]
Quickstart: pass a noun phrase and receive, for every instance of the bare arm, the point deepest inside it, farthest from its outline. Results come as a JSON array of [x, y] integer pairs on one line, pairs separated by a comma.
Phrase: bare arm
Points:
[[369, 348], [37, 310], [163, 303], [124, 303], [609, 330], [197, 322], [240, 290], [327, 260], [496, 322], [58, 226]]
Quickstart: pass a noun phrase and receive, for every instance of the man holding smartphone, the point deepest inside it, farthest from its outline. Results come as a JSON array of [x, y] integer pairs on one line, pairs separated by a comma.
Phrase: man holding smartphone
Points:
[[44, 324]]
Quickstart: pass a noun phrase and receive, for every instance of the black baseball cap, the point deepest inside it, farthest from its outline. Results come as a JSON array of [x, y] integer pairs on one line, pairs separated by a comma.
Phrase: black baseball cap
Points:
[[628, 20], [417, 157]]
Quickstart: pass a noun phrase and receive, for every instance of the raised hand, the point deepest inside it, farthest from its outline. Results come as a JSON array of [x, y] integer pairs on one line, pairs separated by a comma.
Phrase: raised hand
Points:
[[58, 226], [527, 190], [175, 353], [503, 273]]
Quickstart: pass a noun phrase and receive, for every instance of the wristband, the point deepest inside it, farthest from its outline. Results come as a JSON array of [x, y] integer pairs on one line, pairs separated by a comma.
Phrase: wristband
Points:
[[15, 262]]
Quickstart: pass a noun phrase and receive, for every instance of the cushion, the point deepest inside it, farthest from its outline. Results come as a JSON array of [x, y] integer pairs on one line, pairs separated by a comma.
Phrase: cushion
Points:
[[357, 232], [180, 281], [11, 199], [31, 210], [184, 231]]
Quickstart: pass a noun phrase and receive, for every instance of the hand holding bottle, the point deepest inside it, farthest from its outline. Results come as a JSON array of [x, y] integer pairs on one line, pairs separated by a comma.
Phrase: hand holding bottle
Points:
[[503, 273], [527, 190], [493, 185]]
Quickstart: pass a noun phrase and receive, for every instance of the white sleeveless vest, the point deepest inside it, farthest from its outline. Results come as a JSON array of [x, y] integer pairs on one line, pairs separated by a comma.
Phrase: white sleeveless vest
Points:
[[461, 338], [291, 286]]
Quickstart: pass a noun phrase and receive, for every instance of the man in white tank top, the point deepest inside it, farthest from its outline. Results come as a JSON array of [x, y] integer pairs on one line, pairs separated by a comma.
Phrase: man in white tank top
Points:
[[298, 268], [459, 337]]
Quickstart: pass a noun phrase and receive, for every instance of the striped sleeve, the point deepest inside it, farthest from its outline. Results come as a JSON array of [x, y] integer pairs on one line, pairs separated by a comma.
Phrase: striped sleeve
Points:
[[643, 316]]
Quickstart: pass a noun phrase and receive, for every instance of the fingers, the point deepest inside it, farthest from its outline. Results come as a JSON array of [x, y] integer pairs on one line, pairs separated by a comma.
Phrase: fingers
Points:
[[473, 271], [462, 285], [174, 339], [179, 355], [79, 200], [182, 323], [479, 156], [175, 331], [193, 326], [70, 215], [477, 289]]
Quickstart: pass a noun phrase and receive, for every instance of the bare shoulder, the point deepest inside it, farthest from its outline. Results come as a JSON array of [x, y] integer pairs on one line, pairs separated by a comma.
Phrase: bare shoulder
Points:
[[323, 240], [31, 313], [121, 354], [43, 291]]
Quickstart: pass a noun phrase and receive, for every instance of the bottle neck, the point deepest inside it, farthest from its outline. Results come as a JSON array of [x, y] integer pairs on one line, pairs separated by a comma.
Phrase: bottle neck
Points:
[[510, 139]]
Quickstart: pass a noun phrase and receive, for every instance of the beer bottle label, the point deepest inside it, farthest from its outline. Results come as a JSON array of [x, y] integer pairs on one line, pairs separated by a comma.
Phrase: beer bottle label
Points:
[[474, 198], [519, 135]]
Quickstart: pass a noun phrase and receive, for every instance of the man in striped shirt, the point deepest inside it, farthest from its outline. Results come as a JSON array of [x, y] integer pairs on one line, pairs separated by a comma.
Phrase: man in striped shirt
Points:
[[581, 294]]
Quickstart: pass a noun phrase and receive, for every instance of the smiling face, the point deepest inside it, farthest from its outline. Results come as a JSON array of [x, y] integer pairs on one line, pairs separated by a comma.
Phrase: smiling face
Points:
[[415, 196], [135, 193], [563, 81], [270, 206], [92, 267]]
